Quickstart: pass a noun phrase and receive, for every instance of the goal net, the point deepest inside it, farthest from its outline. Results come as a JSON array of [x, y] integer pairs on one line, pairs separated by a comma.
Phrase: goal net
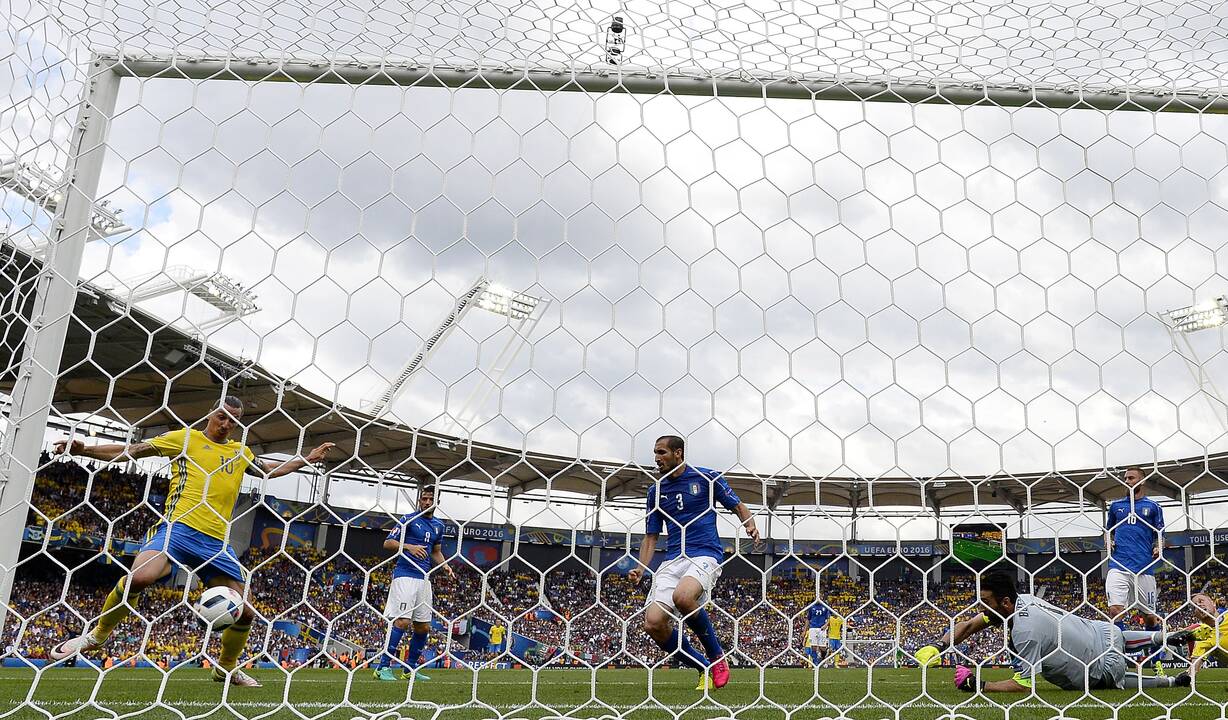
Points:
[[922, 281]]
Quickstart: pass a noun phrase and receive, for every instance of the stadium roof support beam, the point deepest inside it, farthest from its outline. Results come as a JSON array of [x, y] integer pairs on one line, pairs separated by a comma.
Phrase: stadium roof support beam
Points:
[[611, 491], [650, 82], [1167, 488], [776, 495], [1000, 492], [1096, 498], [134, 401], [854, 508], [528, 485], [933, 501]]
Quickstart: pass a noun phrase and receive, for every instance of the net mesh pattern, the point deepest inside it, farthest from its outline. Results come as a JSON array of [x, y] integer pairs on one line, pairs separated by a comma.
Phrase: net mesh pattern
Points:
[[917, 339]]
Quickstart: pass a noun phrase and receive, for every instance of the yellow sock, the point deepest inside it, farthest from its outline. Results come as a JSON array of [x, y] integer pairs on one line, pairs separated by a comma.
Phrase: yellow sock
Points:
[[234, 638], [114, 610]]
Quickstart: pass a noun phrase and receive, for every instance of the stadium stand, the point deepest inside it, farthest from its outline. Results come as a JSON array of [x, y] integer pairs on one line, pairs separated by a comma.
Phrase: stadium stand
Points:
[[580, 612]]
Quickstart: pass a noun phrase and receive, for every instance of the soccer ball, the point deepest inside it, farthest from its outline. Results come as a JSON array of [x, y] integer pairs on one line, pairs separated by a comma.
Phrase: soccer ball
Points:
[[219, 608]]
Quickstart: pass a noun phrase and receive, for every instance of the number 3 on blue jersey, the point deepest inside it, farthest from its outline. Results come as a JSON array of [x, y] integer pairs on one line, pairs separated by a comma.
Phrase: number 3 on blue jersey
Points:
[[680, 506]]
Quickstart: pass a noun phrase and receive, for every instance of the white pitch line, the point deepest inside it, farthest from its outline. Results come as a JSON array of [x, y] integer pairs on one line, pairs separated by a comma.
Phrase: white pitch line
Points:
[[419, 705]]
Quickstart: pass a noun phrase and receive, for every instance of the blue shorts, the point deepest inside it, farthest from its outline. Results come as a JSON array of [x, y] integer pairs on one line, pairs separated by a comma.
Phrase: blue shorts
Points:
[[203, 554], [834, 644]]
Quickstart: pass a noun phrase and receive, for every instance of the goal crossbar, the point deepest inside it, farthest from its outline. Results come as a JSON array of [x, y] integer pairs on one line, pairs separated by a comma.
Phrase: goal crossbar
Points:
[[646, 82]]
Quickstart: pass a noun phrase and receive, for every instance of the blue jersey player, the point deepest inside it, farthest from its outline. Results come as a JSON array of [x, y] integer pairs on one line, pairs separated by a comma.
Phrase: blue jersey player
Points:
[[682, 502], [1136, 526], [416, 540], [817, 617]]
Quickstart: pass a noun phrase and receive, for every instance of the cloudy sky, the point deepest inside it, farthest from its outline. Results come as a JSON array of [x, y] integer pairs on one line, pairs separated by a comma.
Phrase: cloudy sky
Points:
[[820, 288]]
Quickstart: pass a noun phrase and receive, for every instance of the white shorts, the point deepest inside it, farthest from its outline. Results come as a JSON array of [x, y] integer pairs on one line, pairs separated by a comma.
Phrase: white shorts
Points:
[[409, 598], [1130, 590], [704, 569], [814, 638]]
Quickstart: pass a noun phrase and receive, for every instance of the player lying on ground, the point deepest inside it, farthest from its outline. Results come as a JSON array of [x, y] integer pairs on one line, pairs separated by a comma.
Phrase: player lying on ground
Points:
[[1209, 636], [416, 540], [1069, 651], [206, 471], [682, 500]]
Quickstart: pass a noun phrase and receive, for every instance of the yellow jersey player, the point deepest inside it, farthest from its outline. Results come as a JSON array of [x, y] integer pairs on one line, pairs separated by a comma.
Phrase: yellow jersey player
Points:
[[835, 638], [496, 638], [1210, 636], [207, 468]]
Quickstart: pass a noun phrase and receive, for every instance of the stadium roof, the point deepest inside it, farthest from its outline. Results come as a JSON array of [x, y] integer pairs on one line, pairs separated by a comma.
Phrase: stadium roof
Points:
[[164, 377]]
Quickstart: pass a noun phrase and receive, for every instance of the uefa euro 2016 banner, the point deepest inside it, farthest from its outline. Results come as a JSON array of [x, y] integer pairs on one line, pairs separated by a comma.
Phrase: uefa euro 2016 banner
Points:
[[859, 549]]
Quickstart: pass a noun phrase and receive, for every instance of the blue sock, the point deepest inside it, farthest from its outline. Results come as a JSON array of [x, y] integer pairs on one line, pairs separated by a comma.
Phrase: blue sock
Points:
[[394, 641], [417, 643], [702, 625], [678, 646]]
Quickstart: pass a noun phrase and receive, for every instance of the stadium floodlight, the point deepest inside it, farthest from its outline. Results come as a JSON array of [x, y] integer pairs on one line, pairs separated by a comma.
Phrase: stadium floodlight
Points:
[[46, 189], [1202, 316], [220, 291], [519, 308], [503, 301], [1183, 322]]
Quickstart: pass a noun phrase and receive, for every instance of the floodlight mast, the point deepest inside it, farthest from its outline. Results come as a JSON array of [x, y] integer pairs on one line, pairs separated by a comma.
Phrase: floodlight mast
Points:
[[1183, 322], [519, 308], [523, 312], [222, 292]]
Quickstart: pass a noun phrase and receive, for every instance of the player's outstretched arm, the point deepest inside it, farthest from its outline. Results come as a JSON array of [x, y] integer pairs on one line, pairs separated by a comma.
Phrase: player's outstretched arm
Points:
[[964, 630], [931, 655], [276, 468], [647, 548], [1010, 686], [107, 452]]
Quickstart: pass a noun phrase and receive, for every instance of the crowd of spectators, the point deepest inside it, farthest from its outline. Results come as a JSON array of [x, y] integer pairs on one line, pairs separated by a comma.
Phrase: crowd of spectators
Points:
[[588, 618], [592, 620], [92, 499]]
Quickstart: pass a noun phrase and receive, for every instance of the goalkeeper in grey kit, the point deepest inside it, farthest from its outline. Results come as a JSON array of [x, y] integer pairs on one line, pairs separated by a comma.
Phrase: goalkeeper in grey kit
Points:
[[1071, 652]]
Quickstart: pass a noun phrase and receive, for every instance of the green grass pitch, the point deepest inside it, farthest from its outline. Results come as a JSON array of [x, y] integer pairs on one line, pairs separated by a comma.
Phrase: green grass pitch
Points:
[[776, 694]]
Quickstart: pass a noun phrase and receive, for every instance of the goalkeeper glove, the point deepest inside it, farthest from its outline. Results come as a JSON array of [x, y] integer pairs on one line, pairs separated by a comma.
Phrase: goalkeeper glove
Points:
[[965, 679]]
